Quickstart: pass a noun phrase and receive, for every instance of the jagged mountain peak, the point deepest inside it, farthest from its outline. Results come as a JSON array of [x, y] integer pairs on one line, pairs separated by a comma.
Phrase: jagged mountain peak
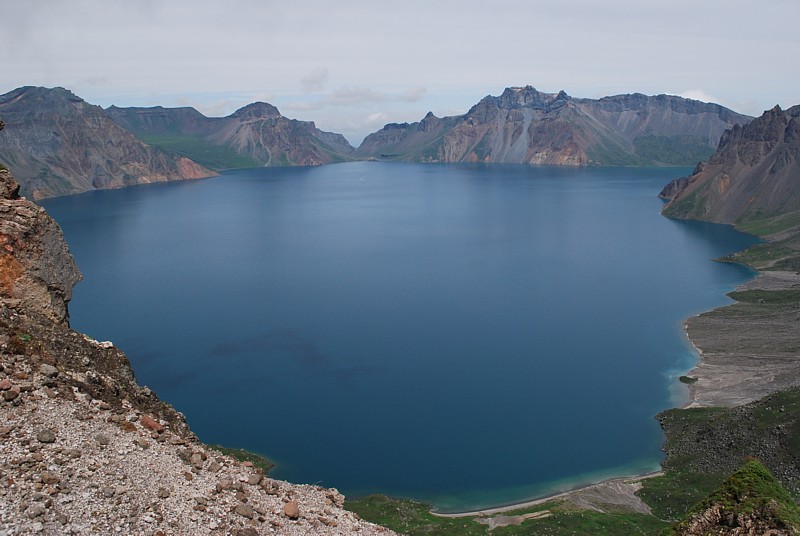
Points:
[[752, 176], [257, 110]]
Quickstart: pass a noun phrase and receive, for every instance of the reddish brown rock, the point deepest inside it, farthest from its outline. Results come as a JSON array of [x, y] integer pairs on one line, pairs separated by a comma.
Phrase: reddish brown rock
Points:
[[151, 424], [291, 510]]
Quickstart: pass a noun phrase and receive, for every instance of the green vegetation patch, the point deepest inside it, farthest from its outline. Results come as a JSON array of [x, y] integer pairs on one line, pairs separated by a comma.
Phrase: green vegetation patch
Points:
[[692, 205], [768, 225], [750, 491], [778, 255], [673, 150], [587, 522], [669, 496], [609, 154], [414, 518], [216, 157], [767, 297], [246, 456], [411, 517]]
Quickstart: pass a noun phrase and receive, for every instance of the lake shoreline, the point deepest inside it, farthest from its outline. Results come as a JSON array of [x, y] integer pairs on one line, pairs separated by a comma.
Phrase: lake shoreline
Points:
[[602, 488], [744, 349], [722, 376]]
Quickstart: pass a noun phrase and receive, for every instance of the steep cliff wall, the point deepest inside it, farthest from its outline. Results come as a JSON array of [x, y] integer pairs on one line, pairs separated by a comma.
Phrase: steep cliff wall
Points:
[[754, 175]]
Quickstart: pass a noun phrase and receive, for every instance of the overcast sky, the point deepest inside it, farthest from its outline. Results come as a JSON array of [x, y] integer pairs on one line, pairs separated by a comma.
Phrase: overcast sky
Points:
[[353, 65]]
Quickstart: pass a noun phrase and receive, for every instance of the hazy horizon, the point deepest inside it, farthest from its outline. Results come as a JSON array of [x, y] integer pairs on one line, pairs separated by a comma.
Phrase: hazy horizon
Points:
[[354, 68]]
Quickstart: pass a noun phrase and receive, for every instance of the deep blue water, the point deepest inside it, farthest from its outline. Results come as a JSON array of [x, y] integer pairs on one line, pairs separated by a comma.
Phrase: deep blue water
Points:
[[467, 335]]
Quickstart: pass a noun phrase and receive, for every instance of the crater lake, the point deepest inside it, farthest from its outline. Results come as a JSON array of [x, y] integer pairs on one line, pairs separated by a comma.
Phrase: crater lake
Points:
[[467, 335]]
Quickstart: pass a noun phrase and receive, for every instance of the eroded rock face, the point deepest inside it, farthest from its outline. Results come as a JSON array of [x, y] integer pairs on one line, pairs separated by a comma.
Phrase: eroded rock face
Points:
[[257, 132], [58, 144], [753, 174], [526, 126], [37, 267]]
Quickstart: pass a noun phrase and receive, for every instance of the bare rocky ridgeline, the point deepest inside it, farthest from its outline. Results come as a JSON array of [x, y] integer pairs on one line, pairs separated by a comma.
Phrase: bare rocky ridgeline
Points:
[[85, 450]]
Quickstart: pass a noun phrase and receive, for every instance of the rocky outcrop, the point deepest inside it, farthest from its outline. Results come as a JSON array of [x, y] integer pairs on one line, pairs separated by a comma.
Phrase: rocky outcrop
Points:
[[525, 126], [754, 174], [749, 502], [256, 135], [59, 144], [37, 267], [84, 449]]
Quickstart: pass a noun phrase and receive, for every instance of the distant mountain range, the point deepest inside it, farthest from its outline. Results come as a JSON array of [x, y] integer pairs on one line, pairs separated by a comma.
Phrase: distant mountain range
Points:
[[525, 126], [256, 135], [58, 144], [753, 176]]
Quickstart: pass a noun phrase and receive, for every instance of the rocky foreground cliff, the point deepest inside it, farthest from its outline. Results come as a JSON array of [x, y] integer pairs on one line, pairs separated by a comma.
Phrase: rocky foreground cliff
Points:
[[84, 449], [526, 126], [58, 144]]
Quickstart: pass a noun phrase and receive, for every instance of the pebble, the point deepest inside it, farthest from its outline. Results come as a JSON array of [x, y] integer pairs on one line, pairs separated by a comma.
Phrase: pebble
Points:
[[49, 370], [246, 511]]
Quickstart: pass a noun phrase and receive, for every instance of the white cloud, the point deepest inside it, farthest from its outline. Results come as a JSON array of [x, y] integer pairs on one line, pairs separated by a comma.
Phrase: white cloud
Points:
[[377, 118], [698, 94], [315, 81]]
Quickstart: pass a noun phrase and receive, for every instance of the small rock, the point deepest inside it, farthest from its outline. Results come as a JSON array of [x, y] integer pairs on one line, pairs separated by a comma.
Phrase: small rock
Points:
[[163, 493], [214, 467], [327, 522], [249, 531], [5, 384], [108, 492], [291, 510], [11, 394], [50, 478], [35, 511], [127, 426], [45, 435], [151, 424], [254, 480], [145, 444], [49, 370], [102, 439], [188, 476], [244, 510]]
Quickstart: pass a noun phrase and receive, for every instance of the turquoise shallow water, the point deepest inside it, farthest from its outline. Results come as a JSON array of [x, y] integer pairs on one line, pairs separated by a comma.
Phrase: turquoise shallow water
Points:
[[467, 335]]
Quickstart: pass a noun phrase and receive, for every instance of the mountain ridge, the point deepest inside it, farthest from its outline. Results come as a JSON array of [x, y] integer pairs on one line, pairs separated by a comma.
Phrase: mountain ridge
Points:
[[59, 144], [255, 135], [526, 126], [753, 175]]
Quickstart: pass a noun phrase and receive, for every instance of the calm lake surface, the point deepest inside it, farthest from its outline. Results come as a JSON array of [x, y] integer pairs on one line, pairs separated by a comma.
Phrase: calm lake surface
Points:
[[466, 335]]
